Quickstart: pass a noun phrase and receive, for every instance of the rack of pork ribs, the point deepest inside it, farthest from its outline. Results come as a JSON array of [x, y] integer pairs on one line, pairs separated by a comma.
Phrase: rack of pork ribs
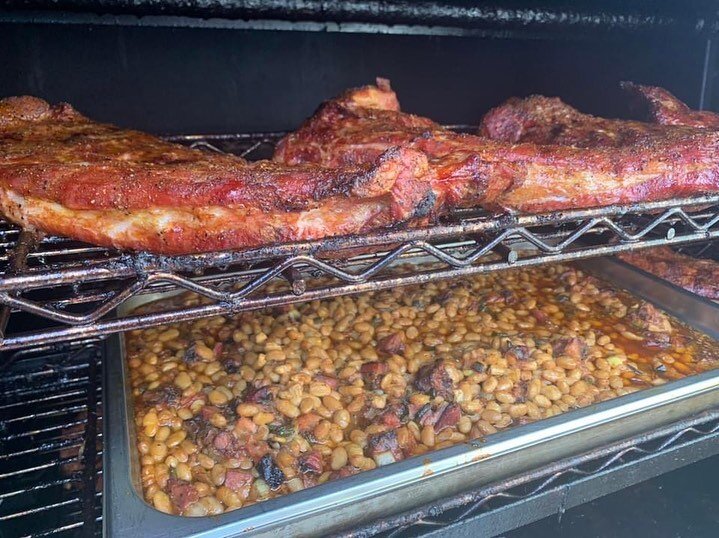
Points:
[[358, 164]]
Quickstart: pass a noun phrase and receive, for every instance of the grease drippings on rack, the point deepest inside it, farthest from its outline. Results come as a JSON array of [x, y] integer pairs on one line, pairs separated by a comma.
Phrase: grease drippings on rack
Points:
[[234, 410]]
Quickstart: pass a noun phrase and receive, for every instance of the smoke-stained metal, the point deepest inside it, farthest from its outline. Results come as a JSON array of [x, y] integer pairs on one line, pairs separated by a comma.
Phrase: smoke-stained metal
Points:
[[373, 15]]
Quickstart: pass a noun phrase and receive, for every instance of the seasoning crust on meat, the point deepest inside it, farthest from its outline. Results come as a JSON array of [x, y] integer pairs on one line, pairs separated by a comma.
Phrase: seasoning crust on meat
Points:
[[518, 164], [64, 174], [662, 107], [359, 125], [357, 165], [548, 120]]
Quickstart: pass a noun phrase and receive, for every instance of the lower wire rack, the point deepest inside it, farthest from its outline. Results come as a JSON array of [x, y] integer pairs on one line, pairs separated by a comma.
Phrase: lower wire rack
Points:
[[80, 288], [51, 441], [51, 448]]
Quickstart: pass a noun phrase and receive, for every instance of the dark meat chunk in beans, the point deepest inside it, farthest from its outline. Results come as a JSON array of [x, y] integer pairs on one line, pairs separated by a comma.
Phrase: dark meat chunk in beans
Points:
[[239, 481], [310, 462], [190, 355], [372, 373], [260, 395], [434, 379], [391, 345], [395, 415], [573, 347], [270, 472], [169, 394], [449, 417], [518, 352], [648, 318], [385, 442]]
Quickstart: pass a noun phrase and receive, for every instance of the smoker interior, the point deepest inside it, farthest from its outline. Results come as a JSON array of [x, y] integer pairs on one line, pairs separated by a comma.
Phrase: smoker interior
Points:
[[234, 70]]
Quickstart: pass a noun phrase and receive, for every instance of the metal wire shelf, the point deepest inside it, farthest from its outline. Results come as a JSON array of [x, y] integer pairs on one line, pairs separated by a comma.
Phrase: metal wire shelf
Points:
[[79, 287]]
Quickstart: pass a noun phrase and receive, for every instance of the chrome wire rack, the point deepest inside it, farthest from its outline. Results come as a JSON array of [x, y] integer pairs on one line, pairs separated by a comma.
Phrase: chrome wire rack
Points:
[[78, 287]]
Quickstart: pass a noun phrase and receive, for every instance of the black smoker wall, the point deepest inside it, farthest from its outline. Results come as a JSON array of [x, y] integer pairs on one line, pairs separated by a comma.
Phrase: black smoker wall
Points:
[[172, 80]]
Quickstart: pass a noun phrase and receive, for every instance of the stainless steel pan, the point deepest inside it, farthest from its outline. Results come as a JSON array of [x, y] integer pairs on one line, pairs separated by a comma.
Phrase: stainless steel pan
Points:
[[419, 480]]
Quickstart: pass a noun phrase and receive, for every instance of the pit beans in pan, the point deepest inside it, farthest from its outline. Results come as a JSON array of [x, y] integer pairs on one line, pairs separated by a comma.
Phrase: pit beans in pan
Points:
[[235, 410]]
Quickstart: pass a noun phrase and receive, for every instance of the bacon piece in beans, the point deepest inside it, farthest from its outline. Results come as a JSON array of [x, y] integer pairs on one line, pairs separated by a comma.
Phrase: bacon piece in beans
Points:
[[169, 394], [449, 417], [391, 420], [256, 449], [309, 480], [543, 319], [223, 441], [239, 481], [518, 353], [310, 462], [372, 373], [391, 345], [181, 493], [385, 442], [208, 411], [649, 318], [428, 415], [344, 472], [395, 415], [260, 395], [331, 382], [519, 391], [571, 347], [424, 415], [308, 422]]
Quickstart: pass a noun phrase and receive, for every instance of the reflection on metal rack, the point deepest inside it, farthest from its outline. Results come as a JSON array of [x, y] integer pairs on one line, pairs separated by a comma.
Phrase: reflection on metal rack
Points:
[[79, 286], [430, 17]]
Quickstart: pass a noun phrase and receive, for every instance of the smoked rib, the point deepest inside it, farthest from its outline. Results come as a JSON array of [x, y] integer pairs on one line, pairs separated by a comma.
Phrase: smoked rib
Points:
[[695, 275], [545, 120], [548, 120], [64, 174], [358, 164], [359, 125], [513, 166]]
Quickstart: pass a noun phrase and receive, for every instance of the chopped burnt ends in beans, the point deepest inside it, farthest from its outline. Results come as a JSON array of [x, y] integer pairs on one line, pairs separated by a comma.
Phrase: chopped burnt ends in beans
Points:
[[234, 410]]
